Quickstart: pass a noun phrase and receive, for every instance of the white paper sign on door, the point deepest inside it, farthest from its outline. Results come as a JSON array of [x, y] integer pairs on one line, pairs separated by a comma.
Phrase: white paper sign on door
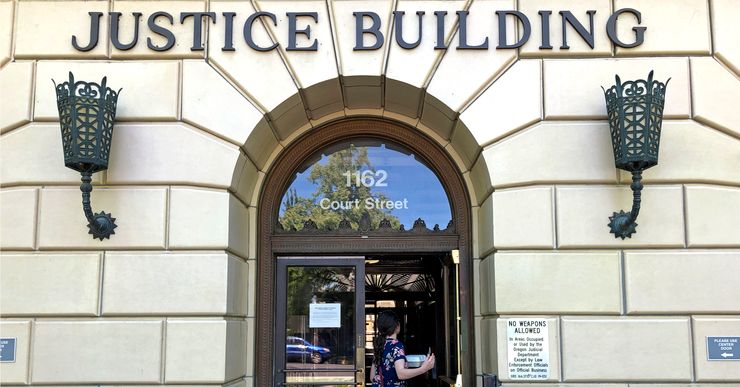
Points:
[[528, 347], [324, 315]]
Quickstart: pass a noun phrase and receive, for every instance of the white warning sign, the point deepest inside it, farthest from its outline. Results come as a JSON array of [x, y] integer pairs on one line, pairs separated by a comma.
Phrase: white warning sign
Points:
[[528, 346]]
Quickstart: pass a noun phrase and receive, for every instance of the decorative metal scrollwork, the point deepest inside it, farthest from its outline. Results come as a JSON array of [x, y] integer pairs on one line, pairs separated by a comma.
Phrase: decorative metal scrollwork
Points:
[[385, 224], [87, 112], [397, 282], [635, 113], [365, 227], [310, 225], [344, 224]]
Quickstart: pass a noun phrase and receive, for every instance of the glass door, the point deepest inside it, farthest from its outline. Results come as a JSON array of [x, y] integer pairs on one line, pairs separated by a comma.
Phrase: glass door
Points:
[[320, 327]]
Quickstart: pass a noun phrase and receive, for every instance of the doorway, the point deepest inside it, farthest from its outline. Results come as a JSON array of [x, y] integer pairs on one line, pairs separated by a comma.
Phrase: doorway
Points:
[[421, 289], [393, 259], [327, 307], [320, 307]]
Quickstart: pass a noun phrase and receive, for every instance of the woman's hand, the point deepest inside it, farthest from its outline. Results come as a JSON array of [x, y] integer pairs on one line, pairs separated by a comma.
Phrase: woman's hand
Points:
[[428, 363]]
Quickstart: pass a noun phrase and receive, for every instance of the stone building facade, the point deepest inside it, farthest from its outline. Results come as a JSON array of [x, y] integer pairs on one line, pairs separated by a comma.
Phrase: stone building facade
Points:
[[171, 297]]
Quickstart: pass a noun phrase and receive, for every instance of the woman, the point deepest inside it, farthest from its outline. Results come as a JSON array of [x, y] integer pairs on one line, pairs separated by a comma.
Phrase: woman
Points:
[[389, 360]]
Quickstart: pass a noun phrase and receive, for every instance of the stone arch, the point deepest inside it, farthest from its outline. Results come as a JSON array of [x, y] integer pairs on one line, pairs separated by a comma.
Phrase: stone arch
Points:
[[292, 118], [290, 121]]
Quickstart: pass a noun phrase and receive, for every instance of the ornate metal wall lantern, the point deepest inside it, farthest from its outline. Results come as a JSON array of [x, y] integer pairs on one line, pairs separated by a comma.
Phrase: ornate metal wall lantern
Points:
[[635, 112], [87, 112]]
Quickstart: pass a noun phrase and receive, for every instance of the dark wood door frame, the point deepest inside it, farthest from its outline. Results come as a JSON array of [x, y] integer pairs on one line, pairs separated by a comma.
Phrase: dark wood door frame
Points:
[[281, 292], [269, 245]]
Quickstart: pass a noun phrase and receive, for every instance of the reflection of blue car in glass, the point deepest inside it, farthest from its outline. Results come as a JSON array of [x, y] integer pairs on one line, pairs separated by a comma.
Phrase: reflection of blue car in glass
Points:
[[297, 348]]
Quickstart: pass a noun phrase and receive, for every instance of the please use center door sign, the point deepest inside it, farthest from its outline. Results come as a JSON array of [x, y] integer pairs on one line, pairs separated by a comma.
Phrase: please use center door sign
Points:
[[528, 348]]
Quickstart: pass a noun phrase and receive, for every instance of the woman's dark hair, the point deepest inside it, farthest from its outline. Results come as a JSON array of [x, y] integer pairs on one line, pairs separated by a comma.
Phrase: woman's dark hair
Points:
[[385, 325]]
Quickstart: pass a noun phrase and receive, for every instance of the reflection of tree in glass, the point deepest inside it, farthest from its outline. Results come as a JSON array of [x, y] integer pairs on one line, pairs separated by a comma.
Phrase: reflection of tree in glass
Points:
[[322, 285], [330, 179], [327, 284]]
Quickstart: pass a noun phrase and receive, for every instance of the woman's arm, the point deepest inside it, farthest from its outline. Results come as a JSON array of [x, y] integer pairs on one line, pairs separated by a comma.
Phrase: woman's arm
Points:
[[372, 371], [408, 373]]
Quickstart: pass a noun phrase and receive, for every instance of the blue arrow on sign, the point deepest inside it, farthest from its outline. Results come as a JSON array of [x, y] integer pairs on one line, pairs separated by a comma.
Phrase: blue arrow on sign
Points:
[[723, 347]]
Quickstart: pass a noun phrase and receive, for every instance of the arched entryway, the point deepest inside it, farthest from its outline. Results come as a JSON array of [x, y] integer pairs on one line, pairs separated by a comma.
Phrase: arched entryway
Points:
[[274, 242]]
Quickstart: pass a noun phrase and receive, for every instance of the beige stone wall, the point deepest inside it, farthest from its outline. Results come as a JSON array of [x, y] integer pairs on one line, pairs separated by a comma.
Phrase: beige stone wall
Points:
[[633, 311], [170, 298]]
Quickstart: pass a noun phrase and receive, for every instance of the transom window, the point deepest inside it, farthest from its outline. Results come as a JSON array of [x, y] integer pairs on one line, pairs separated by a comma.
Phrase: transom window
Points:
[[364, 185]]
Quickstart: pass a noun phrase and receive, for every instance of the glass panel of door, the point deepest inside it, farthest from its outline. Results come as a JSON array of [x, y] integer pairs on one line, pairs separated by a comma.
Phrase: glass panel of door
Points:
[[320, 329]]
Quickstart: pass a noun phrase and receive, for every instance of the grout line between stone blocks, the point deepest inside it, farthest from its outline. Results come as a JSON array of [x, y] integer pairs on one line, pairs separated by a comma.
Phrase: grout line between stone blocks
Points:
[[560, 348], [108, 46], [167, 203], [32, 107], [554, 198], [448, 42], [612, 7], [685, 216], [100, 283], [487, 84], [36, 215], [478, 155], [14, 31], [163, 353], [542, 90], [692, 362], [31, 335], [518, 7], [226, 77], [389, 34], [181, 75], [206, 37], [623, 283], [335, 40], [710, 20], [279, 50], [691, 90], [727, 67], [249, 159]]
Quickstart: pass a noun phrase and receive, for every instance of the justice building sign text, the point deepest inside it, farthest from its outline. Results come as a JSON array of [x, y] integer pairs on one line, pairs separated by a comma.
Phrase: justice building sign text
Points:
[[368, 29]]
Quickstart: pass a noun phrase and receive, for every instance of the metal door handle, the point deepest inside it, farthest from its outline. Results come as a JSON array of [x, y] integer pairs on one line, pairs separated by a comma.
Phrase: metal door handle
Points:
[[360, 359]]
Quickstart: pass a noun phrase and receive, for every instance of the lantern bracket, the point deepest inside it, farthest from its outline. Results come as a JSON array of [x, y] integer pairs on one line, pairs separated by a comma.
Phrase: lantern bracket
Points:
[[101, 225], [87, 113], [623, 224], [635, 114]]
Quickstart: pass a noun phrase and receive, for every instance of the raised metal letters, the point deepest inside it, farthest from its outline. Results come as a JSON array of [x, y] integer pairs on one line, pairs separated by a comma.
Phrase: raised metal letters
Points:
[[94, 33], [398, 21], [361, 30], [293, 31], [197, 26], [159, 30], [611, 28], [526, 29], [115, 18]]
